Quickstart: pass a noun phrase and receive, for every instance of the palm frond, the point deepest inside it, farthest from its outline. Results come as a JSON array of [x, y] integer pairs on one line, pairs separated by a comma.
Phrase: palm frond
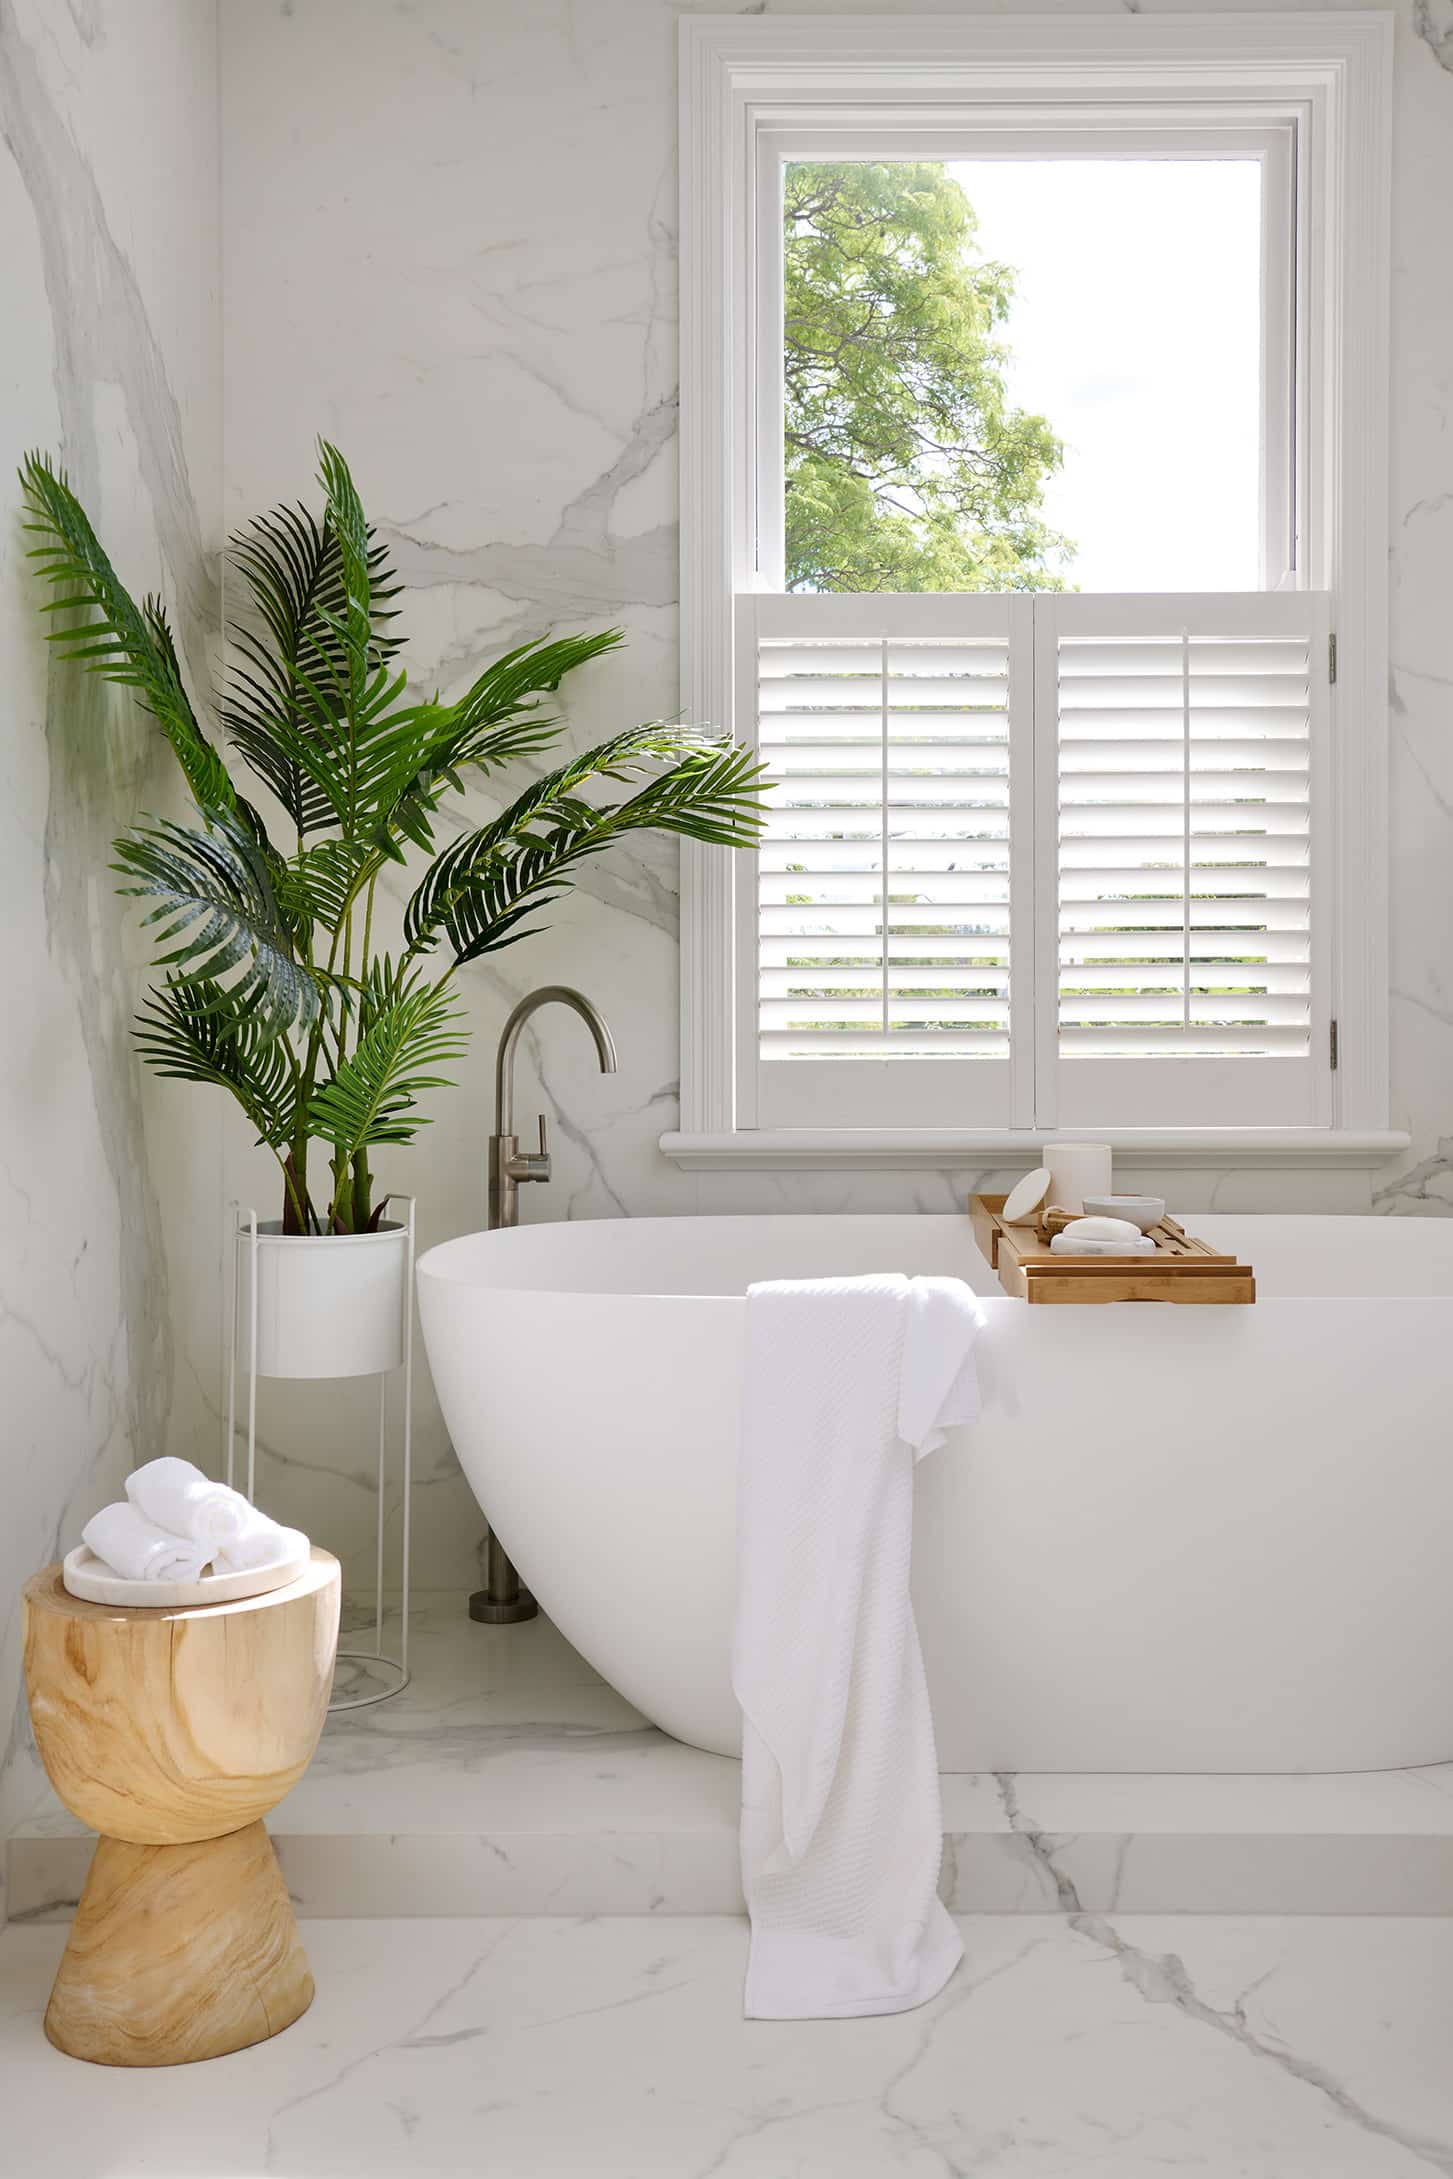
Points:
[[107, 632], [498, 718], [352, 625], [331, 716], [196, 1031], [480, 893], [320, 883], [216, 917], [407, 1030], [281, 697]]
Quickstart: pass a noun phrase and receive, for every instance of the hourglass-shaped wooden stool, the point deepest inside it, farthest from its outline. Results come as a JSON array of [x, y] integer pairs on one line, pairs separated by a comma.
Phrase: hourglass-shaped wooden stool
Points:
[[172, 1733]]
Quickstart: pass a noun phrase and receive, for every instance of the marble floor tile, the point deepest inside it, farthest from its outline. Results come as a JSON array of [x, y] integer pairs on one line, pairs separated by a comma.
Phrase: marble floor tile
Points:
[[509, 1779], [1064, 2048]]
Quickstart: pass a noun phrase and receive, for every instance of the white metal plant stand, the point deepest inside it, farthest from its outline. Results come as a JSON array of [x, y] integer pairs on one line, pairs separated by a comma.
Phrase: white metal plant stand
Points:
[[255, 1245]]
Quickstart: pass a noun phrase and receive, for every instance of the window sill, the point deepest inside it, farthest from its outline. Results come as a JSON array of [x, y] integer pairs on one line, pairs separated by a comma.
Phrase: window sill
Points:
[[1183, 1149]]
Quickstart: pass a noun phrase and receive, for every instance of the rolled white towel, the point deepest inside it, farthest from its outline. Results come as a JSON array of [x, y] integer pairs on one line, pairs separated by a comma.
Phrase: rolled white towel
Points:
[[261, 1542], [137, 1550], [176, 1496]]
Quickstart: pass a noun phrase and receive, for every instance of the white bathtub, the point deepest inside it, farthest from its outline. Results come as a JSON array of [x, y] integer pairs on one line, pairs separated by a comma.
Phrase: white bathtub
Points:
[[1188, 1539]]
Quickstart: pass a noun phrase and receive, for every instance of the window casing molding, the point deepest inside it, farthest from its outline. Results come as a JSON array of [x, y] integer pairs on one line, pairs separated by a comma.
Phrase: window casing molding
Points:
[[749, 86]]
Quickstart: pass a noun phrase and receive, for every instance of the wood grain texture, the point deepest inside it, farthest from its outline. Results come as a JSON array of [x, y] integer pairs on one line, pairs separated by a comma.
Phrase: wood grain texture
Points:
[[164, 1726], [179, 1953], [1182, 1269], [172, 1733]]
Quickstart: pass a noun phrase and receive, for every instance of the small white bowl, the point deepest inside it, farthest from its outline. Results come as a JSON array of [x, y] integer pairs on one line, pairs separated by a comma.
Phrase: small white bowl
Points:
[[1144, 1211]]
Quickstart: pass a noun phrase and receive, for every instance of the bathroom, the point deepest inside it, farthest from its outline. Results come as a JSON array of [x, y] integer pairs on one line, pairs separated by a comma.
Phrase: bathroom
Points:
[[458, 240]]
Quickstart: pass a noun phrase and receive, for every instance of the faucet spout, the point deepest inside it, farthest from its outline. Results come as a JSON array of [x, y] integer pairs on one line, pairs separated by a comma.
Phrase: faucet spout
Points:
[[504, 1066]]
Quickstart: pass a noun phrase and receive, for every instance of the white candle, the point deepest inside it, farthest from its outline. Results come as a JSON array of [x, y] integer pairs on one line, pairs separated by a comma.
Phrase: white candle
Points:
[[1076, 1169]]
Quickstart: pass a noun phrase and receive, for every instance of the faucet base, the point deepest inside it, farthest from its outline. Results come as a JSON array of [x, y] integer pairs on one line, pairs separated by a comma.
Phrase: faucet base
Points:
[[483, 1607]]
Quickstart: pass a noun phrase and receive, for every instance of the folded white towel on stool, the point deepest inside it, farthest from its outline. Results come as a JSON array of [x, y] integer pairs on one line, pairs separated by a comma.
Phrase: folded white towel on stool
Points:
[[176, 1496], [138, 1550], [848, 1383], [260, 1542]]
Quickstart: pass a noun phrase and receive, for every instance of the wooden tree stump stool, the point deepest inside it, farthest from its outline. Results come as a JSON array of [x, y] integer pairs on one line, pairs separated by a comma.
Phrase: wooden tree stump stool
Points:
[[172, 1733]]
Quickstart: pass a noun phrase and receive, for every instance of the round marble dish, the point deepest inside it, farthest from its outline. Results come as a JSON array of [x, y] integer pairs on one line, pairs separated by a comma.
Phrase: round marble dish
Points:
[[85, 1575]]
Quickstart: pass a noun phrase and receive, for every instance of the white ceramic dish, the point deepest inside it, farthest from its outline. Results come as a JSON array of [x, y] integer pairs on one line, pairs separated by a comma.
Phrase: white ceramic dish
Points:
[[1144, 1211], [86, 1576], [1025, 1197]]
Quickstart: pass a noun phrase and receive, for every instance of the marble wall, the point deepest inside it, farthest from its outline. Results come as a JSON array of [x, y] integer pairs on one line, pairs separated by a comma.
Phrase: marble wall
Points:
[[448, 232], [450, 243], [109, 218]]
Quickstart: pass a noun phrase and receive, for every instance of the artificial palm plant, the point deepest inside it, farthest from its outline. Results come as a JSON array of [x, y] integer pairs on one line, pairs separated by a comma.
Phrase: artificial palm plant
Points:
[[274, 983]]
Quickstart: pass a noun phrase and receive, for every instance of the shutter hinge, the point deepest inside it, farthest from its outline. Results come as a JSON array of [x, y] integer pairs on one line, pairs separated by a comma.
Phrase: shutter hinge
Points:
[[1332, 1047], [1332, 659]]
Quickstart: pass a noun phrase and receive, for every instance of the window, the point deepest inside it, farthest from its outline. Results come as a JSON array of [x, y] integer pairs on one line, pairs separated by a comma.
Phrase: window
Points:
[[1027, 371], [1023, 503]]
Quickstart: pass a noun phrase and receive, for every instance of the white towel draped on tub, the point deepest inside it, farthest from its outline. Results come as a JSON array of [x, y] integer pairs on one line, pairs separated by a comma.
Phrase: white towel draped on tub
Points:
[[848, 1382]]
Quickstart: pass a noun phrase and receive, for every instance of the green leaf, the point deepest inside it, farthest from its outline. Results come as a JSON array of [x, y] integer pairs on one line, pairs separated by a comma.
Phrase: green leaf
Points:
[[320, 883], [199, 1031], [216, 917], [353, 624], [107, 632], [407, 1030], [906, 465], [497, 719], [480, 893], [284, 698]]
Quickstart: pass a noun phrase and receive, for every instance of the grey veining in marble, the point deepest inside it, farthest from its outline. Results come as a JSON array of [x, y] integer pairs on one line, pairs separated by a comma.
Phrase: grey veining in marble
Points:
[[1433, 22], [509, 1779], [1130, 2048], [110, 225], [518, 446], [512, 415]]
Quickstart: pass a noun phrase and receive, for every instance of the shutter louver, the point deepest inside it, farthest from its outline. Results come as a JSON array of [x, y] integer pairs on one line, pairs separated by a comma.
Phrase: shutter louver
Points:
[[1184, 839], [884, 868], [1187, 741], [1161, 766]]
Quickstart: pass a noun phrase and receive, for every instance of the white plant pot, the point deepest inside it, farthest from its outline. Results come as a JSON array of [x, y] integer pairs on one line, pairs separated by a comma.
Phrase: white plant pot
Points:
[[328, 1305]]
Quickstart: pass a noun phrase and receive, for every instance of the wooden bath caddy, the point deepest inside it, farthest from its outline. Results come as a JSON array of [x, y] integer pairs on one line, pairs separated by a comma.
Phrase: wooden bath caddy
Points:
[[1182, 1269]]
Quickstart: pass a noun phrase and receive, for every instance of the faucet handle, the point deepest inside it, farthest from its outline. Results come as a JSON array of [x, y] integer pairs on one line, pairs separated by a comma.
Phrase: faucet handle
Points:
[[532, 1164]]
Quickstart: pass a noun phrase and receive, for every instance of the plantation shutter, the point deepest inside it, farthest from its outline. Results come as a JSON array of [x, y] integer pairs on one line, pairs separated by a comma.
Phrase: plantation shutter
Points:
[[1035, 862], [1187, 742], [879, 939]]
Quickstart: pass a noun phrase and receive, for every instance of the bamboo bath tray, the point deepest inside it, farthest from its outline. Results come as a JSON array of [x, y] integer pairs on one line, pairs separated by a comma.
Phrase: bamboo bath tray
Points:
[[1182, 1269]]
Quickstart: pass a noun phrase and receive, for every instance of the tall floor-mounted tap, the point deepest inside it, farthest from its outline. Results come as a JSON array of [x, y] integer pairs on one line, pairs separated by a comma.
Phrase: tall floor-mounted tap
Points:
[[503, 1599]]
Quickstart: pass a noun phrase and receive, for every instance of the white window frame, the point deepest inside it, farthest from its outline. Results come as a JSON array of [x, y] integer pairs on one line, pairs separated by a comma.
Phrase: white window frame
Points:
[[749, 85]]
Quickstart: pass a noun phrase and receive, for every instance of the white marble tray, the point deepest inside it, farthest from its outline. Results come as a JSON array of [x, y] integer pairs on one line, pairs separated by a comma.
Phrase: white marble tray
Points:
[[87, 1576]]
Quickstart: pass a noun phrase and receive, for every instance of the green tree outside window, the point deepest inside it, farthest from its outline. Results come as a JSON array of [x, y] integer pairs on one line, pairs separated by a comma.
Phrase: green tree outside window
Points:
[[907, 467]]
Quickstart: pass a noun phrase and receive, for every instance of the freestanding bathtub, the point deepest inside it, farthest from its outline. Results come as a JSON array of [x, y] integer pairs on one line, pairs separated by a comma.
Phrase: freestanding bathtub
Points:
[[1179, 1539]]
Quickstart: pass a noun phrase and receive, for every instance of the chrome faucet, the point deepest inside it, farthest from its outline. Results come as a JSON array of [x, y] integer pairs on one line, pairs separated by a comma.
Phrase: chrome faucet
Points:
[[502, 1599]]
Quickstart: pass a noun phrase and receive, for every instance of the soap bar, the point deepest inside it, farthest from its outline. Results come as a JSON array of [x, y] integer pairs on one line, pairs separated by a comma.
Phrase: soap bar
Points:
[[1101, 1229], [1065, 1244]]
